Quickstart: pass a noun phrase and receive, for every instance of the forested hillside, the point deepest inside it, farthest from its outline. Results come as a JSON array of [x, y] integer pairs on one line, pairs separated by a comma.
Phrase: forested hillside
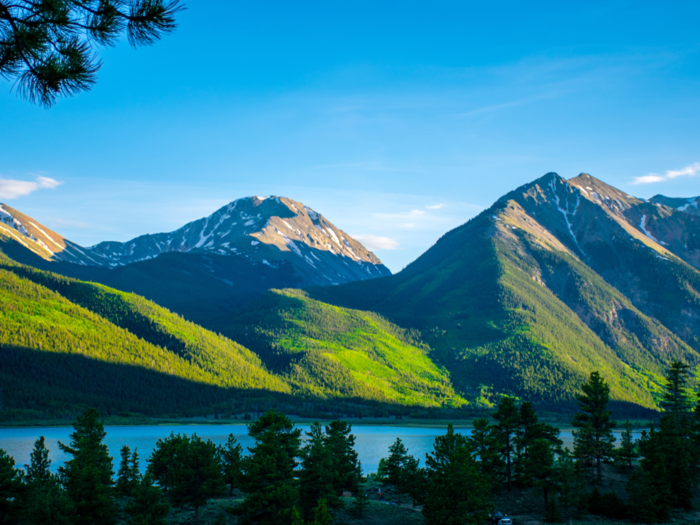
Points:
[[325, 350], [66, 344]]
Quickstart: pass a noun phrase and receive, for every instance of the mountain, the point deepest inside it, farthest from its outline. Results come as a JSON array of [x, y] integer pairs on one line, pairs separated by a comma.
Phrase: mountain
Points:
[[209, 266], [558, 278], [264, 230], [687, 205], [66, 344]]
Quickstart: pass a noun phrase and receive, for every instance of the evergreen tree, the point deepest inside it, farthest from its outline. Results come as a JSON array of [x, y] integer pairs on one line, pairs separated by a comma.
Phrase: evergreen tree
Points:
[[268, 472], [39, 469], [231, 457], [396, 463], [149, 506], [415, 480], [676, 437], [485, 446], [316, 475], [125, 475], [296, 517], [539, 469], [594, 438], [676, 455], [524, 436], [571, 484], [12, 489], [135, 470], [190, 468], [508, 422], [458, 493], [321, 514], [361, 502], [87, 476], [48, 46], [346, 466], [650, 498], [676, 400], [627, 452], [45, 501]]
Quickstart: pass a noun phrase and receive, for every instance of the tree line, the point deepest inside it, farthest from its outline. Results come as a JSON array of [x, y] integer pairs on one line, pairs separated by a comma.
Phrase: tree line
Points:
[[285, 479]]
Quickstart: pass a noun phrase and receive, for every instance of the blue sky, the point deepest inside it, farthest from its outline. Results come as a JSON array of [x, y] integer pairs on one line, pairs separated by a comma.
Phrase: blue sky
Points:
[[396, 120]]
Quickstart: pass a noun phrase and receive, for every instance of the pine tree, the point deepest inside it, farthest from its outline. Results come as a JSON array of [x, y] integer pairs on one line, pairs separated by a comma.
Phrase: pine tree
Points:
[[296, 517], [571, 484], [361, 502], [346, 466], [321, 514], [125, 480], [48, 46], [485, 445], [508, 422], [627, 452], [317, 473], [650, 497], [231, 456], [676, 400], [538, 468], [190, 468], [149, 506], [396, 468], [415, 480], [45, 501], [12, 489], [458, 494], [87, 476], [594, 438], [268, 472], [135, 470]]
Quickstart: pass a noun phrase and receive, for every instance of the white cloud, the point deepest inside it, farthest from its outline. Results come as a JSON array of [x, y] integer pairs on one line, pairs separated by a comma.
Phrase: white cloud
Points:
[[688, 171], [435, 206], [11, 189], [375, 242]]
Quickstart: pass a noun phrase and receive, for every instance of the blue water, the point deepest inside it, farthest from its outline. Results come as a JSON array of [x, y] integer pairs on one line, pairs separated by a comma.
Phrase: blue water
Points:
[[372, 442]]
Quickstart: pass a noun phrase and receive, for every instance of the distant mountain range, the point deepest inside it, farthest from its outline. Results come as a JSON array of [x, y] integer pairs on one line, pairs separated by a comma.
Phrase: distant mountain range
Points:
[[211, 265], [558, 278]]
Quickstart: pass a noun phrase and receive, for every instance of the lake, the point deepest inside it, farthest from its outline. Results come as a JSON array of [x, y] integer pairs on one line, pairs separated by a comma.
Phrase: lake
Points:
[[372, 442]]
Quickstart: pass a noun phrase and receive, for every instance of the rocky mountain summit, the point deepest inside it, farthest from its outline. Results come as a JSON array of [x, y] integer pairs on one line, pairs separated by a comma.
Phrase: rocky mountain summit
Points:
[[268, 231]]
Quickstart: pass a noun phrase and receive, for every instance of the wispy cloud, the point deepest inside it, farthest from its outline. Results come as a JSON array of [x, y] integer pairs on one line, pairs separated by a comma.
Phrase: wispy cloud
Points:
[[375, 242], [688, 171], [11, 189], [436, 206]]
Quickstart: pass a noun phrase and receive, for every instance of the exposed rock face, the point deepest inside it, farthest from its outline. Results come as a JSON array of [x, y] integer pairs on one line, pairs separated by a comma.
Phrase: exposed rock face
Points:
[[270, 231]]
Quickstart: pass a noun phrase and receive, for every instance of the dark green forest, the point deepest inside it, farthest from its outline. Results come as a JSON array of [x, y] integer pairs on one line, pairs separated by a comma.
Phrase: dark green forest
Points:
[[286, 478]]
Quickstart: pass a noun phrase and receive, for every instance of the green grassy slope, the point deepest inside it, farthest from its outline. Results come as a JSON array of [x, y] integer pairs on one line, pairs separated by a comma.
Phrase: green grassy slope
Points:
[[324, 350]]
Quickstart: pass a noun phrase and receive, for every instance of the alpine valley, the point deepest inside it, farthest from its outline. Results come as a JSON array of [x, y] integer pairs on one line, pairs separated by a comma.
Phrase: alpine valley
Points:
[[266, 301]]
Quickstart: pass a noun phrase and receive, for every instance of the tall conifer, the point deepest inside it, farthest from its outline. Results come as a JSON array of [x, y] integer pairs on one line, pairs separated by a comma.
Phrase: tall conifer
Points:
[[268, 472], [87, 476], [593, 439], [507, 417]]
